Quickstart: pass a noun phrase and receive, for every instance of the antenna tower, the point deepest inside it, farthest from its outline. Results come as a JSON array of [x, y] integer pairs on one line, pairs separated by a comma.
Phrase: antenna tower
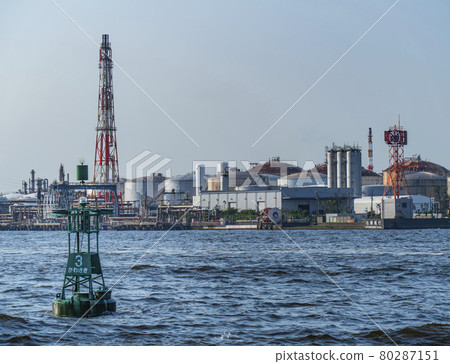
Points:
[[396, 137]]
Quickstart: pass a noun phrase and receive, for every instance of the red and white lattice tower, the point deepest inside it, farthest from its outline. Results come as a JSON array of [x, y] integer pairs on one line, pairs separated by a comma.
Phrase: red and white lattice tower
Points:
[[396, 138], [370, 151], [106, 166]]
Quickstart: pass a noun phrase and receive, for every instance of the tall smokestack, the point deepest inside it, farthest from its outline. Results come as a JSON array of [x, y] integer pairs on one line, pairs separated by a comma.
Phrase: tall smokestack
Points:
[[106, 165], [61, 173], [370, 151]]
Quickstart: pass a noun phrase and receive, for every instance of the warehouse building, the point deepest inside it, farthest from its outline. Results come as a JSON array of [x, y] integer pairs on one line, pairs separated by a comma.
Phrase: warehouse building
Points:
[[311, 200]]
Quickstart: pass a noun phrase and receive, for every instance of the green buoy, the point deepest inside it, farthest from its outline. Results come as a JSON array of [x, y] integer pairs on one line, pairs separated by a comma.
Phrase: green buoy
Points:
[[83, 276]]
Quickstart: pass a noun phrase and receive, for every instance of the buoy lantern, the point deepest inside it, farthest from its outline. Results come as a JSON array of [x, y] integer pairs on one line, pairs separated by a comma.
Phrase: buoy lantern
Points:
[[83, 275]]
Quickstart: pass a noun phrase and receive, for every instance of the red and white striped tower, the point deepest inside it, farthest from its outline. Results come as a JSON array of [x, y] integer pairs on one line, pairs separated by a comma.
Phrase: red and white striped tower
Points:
[[396, 137], [370, 151], [106, 166]]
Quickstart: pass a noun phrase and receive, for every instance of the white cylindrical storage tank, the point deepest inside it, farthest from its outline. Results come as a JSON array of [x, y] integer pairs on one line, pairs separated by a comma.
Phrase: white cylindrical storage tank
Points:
[[331, 168], [155, 185], [357, 185], [341, 172], [180, 184], [350, 168], [354, 170], [132, 194], [213, 183]]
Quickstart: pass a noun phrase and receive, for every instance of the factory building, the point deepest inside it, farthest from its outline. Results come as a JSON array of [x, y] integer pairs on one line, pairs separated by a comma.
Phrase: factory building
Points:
[[299, 191], [367, 204], [237, 179], [265, 174], [311, 200]]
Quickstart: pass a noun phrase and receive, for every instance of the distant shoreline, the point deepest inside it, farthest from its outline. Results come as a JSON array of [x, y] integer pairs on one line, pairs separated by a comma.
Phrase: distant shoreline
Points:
[[443, 223], [144, 227]]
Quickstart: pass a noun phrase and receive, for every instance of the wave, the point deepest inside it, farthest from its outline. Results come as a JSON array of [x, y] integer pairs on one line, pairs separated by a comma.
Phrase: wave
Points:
[[18, 289], [429, 334], [5, 317], [24, 339], [295, 304], [323, 339], [142, 266]]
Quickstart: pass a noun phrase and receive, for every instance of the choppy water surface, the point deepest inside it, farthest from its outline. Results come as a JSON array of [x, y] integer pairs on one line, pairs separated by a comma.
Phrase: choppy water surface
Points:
[[237, 288]]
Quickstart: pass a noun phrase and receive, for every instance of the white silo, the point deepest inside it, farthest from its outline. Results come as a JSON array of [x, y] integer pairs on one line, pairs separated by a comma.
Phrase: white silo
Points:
[[349, 168], [132, 191], [354, 168], [341, 171], [331, 168]]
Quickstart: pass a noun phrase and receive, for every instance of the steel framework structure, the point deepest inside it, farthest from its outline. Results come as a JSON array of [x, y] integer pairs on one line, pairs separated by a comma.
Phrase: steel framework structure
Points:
[[106, 166], [396, 137]]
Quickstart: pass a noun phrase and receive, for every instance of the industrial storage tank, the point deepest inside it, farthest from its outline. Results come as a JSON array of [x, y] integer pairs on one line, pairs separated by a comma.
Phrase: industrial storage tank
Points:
[[344, 168], [303, 179], [136, 188], [213, 183], [179, 189], [331, 169], [373, 190], [131, 191], [181, 184], [426, 184], [275, 167], [238, 179], [416, 164], [378, 190], [424, 177], [370, 178]]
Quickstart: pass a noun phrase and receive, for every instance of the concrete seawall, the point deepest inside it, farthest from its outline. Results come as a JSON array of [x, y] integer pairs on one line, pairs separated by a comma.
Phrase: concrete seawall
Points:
[[407, 224]]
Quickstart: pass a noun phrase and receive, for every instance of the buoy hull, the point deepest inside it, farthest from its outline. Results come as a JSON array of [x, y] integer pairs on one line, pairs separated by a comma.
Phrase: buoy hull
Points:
[[80, 305]]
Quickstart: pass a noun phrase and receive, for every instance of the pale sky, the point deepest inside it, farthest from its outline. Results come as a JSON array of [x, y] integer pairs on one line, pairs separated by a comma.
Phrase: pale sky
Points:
[[225, 71]]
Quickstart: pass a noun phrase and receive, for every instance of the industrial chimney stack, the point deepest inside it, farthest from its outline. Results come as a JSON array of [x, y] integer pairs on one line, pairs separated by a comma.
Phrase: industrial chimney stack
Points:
[[106, 165], [370, 151]]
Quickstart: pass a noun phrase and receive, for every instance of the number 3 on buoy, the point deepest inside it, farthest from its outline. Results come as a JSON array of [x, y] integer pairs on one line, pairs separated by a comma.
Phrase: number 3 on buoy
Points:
[[78, 261]]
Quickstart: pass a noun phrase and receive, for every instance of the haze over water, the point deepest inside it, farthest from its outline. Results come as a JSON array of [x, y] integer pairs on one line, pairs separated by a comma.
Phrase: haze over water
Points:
[[236, 288]]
